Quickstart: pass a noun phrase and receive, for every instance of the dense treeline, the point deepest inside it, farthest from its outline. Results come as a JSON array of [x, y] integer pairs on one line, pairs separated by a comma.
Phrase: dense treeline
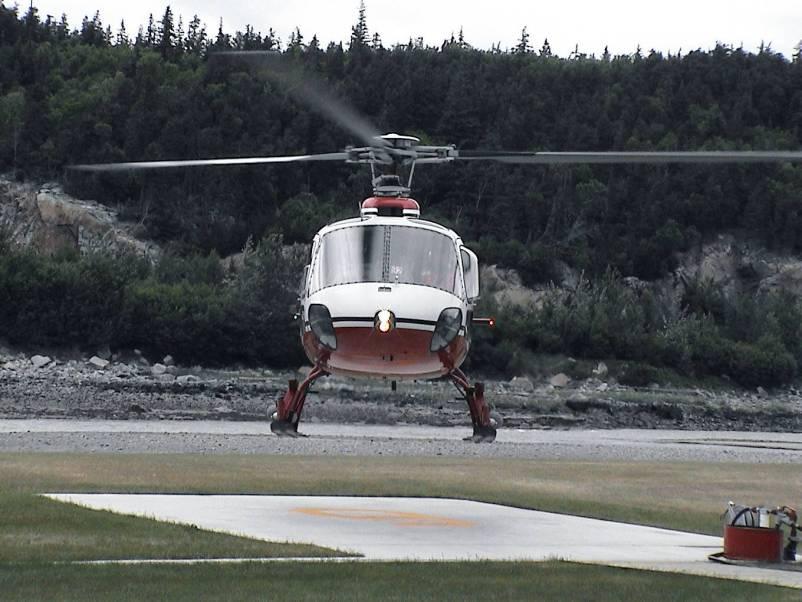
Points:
[[94, 94], [91, 95], [187, 306]]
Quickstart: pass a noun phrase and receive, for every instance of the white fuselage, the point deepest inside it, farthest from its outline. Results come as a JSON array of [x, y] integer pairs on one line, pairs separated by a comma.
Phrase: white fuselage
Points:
[[415, 274]]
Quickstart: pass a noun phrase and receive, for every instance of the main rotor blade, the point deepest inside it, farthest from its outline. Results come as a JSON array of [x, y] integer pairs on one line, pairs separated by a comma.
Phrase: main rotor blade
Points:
[[308, 90], [138, 165], [632, 157]]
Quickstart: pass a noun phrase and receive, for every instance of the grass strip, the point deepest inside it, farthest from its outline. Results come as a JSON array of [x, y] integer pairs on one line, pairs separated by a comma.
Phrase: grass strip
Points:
[[687, 496], [361, 581]]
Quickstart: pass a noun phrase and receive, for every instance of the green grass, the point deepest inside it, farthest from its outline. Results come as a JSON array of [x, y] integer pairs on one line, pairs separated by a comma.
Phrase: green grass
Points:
[[358, 581], [36, 531], [686, 496]]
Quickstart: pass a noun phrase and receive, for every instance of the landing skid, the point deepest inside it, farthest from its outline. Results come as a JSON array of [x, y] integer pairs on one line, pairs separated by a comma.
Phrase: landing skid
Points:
[[289, 408], [484, 431]]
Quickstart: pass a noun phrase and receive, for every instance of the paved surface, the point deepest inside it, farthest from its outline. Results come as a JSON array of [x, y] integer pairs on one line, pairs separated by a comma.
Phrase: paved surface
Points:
[[426, 529], [168, 436]]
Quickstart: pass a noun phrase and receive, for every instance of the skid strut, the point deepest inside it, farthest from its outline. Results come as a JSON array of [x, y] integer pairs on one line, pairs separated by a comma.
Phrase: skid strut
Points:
[[483, 428], [289, 408]]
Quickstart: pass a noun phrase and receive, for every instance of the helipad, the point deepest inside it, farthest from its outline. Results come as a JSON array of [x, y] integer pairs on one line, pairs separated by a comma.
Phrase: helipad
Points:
[[427, 529]]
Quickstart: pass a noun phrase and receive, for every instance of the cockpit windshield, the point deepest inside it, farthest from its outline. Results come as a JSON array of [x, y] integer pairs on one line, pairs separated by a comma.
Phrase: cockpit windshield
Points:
[[390, 254]]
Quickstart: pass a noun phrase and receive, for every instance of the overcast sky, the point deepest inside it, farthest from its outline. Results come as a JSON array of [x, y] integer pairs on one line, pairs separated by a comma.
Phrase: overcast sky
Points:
[[620, 24]]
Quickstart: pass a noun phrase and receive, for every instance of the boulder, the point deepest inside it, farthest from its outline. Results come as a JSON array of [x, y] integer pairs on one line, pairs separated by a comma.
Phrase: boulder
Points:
[[601, 370], [40, 361], [158, 369], [103, 353], [559, 380], [187, 378], [522, 384], [98, 362], [168, 360]]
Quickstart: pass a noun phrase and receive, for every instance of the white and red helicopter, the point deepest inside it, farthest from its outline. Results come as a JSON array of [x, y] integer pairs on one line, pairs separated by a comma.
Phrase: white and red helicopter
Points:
[[387, 294]]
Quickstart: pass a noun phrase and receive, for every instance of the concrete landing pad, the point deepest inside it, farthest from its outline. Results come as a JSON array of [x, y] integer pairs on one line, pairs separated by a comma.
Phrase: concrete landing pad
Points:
[[414, 528], [425, 529]]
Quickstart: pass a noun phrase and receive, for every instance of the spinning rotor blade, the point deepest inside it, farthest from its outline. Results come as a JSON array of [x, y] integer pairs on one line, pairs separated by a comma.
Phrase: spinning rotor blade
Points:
[[307, 90], [632, 157], [136, 165]]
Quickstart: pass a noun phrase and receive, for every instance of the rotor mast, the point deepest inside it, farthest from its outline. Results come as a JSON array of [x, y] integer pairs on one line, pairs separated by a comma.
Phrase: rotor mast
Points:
[[393, 153]]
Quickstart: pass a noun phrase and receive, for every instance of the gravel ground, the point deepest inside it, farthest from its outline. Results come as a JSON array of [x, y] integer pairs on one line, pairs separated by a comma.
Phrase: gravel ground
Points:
[[216, 437], [130, 406], [74, 389]]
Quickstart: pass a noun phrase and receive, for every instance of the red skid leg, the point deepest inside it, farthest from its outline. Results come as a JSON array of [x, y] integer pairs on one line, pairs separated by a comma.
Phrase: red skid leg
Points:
[[289, 407], [483, 429]]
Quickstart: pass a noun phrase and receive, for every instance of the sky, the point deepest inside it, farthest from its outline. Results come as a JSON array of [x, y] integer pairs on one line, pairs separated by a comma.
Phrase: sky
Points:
[[622, 25]]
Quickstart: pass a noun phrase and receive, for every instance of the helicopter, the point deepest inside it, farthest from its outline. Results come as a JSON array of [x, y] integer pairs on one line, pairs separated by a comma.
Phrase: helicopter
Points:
[[387, 294]]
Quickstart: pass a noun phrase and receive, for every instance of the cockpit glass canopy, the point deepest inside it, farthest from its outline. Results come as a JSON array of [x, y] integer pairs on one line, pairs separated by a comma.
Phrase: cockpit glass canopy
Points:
[[388, 254]]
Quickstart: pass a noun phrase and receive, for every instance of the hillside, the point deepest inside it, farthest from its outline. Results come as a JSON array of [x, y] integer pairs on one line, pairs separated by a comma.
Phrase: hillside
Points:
[[630, 250]]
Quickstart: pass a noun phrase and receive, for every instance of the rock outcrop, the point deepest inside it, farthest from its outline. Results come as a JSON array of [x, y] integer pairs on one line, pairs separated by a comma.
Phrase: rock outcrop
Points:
[[731, 264], [47, 220]]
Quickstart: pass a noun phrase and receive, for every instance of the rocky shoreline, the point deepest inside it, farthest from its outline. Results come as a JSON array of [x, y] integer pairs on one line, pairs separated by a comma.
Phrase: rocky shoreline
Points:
[[130, 388]]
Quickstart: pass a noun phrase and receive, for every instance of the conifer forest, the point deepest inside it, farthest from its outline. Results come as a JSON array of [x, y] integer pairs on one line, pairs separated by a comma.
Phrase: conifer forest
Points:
[[96, 92]]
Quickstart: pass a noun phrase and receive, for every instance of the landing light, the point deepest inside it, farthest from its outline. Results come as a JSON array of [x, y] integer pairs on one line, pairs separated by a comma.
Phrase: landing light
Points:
[[384, 320]]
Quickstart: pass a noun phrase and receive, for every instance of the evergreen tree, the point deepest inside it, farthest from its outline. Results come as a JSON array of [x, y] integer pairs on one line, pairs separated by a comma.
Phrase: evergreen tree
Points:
[[122, 36], [179, 36], [461, 40], [271, 41], [523, 46], [150, 33], [545, 50], [376, 42], [30, 25], [296, 43], [195, 42], [359, 32], [12, 115], [63, 28], [165, 41], [223, 40]]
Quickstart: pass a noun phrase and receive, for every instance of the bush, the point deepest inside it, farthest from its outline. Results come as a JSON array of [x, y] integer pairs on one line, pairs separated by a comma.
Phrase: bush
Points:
[[767, 364], [264, 301], [61, 301], [638, 375], [185, 320], [599, 319]]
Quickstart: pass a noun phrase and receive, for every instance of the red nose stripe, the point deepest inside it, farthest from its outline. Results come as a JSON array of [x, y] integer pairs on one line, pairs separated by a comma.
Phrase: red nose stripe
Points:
[[401, 352]]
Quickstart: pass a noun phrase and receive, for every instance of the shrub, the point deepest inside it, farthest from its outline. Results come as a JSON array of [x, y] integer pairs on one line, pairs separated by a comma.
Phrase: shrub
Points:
[[638, 375], [185, 320], [61, 301]]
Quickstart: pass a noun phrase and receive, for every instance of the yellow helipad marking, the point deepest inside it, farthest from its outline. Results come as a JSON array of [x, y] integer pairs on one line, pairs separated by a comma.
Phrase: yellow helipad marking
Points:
[[400, 519]]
